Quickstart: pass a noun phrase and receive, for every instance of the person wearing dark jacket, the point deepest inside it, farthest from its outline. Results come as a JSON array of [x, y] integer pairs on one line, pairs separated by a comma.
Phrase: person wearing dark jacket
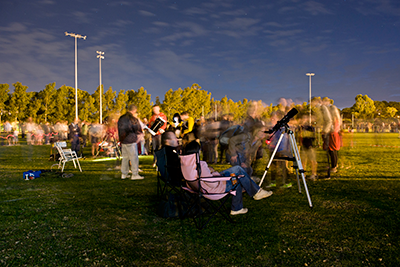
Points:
[[74, 133], [128, 130]]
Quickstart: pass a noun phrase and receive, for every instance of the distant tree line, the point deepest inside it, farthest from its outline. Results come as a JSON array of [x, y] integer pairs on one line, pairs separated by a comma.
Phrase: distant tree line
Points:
[[365, 108], [58, 104]]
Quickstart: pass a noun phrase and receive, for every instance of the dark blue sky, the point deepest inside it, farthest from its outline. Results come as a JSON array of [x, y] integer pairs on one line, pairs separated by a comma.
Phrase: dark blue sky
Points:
[[259, 50]]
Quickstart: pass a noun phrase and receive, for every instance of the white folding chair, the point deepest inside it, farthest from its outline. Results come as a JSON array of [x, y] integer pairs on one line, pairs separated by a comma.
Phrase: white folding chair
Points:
[[66, 154]]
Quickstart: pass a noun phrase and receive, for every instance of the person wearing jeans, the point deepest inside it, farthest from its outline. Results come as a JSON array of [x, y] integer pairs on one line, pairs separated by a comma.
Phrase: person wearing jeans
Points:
[[128, 130], [245, 182]]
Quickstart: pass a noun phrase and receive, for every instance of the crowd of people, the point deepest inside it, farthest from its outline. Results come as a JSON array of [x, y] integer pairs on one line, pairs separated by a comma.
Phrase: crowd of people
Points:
[[218, 141], [221, 141]]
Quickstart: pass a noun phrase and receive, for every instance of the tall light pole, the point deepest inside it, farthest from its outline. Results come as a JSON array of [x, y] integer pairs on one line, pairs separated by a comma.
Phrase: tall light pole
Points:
[[76, 36], [100, 56], [309, 75]]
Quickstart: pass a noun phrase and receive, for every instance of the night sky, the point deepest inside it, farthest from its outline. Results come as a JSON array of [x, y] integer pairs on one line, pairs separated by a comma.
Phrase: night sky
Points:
[[259, 50]]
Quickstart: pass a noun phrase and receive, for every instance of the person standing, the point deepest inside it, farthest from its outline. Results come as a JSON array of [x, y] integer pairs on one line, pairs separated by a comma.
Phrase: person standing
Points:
[[74, 133], [156, 139], [334, 138], [186, 124], [128, 130], [307, 140]]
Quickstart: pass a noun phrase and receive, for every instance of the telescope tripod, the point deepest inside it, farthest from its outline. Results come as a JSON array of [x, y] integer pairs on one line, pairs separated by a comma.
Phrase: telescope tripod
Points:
[[296, 160]]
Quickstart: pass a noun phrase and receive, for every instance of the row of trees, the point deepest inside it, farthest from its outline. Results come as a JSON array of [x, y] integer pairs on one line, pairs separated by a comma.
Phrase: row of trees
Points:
[[366, 108], [54, 104]]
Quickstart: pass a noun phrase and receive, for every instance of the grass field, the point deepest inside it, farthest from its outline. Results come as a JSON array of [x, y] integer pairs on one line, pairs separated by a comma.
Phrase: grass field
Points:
[[96, 219]]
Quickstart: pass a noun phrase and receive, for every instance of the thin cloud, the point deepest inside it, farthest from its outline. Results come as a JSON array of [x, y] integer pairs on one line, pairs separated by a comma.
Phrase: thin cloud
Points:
[[47, 2], [190, 30], [161, 24], [316, 8], [146, 13], [81, 17]]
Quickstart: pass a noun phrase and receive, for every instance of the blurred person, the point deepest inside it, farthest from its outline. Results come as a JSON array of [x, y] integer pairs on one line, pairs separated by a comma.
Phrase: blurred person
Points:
[[39, 134], [8, 131], [307, 141], [331, 124], [141, 139], [22, 126], [74, 134], [253, 117], [210, 132], [15, 133], [242, 148], [334, 138], [84, 133], [46, 132], [96, 133], [128, 130], [29, 130], [224, 124], [156, 139], [252, 120], [147, 138], [187, 123], [65, 131], [58, 132]]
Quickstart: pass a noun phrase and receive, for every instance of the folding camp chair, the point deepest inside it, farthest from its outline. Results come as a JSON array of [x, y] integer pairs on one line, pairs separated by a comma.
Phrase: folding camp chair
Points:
[[66, 155], [203, 205], [169, 177], [169, 174]]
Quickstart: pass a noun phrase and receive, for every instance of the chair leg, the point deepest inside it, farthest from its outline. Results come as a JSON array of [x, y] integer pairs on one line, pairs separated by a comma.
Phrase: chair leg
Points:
[[79, 165]]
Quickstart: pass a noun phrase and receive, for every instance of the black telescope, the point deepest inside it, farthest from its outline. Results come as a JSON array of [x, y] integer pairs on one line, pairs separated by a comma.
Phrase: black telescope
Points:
[[284, 120]]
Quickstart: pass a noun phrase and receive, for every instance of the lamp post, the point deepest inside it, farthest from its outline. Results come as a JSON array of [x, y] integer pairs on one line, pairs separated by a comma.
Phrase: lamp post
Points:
[[309, 75], [76, 36], [100, 56]]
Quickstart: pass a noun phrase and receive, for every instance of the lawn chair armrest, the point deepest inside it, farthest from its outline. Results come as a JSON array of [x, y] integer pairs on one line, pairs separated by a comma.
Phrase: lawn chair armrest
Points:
[[215, 179]]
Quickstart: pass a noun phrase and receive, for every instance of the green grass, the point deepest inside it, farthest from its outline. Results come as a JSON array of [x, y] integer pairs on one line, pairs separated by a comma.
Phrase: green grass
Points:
[[96, 219]]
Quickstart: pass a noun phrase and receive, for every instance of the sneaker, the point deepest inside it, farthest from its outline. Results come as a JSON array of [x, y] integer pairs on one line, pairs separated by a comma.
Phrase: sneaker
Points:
[[271, 185], [289, 185], [237, 212], [313, 177], [334, 170], [137, 177], [139, 170], [124, 176], [262, 194]]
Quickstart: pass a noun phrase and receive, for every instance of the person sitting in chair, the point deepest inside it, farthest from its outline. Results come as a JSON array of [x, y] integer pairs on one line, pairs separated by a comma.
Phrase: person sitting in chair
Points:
[[245, 182], [170, 143]]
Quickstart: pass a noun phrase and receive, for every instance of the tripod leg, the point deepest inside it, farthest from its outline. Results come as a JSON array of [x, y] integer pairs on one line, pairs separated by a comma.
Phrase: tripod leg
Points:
[[301, 170], [298, 181], [296, 167], [271, 159]]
